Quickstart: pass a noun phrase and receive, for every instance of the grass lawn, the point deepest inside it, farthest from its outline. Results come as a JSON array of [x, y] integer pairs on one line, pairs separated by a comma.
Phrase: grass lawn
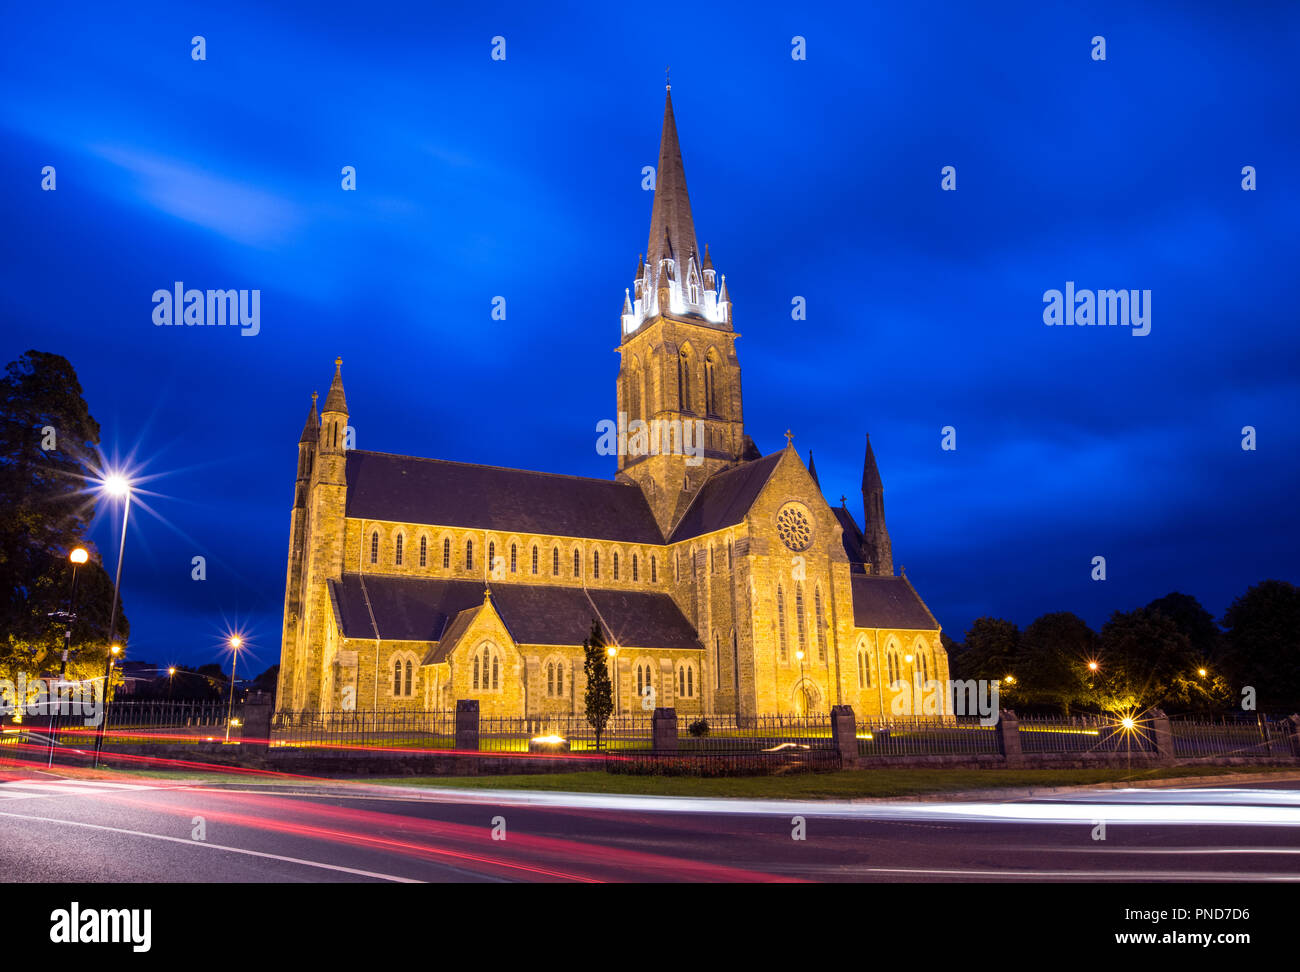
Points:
[[844, 784]]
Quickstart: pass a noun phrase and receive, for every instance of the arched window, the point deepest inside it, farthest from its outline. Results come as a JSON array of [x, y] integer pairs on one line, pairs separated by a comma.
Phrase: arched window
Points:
[[446, 553], [514, 558], [496, 672], [654, 570], [577, 563], [374, 547], [634, 577], [476, 670], [408, 689], [710, 399], [683, 383], [595, 563], [640, 682], [424, 551], [799, 619], [550, 680], [397, 550], [820, 633], [469, 554], [534, 558], [615, 565], [555, 561], [681, 680], [492, 556], [780, 623], [690, 682], [559, 678], [487, 669], [397, 677]]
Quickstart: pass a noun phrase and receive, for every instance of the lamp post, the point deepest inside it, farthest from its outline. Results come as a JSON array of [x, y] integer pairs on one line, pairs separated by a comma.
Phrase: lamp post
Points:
[[803, 689], [612, 652], [235, 642], [118, 486], [77, 557]]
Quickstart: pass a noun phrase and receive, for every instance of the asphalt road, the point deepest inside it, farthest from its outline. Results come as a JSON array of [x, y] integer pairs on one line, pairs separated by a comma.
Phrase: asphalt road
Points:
[[89, 831]]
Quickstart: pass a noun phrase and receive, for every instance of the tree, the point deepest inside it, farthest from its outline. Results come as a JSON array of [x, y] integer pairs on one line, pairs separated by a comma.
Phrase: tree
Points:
[[991, 648], [1146, 660], [47, 441], [1263, 643], [599, 697], [1052, 663], [1195, 622]]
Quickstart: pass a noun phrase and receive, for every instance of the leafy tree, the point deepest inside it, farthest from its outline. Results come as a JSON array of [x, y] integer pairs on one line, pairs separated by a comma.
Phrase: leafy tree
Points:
[[47, 440], [267, 681], [1193, 620], [991, 649], [1052, 663], [1263, 644], [599, 697], [1146, 660]]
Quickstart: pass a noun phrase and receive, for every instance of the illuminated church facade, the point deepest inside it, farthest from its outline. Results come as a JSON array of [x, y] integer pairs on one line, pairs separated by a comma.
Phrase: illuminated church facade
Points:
[[722, 578]]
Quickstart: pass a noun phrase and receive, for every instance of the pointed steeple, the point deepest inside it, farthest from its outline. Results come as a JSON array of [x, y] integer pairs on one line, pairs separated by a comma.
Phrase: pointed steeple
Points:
[[876, 547], [334, 401], [870, 474], [812, 470], [672, 231], [311, 431], [708, 260]]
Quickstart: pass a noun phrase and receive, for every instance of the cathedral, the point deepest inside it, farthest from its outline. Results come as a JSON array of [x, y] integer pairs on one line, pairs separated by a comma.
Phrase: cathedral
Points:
[[723, 581]]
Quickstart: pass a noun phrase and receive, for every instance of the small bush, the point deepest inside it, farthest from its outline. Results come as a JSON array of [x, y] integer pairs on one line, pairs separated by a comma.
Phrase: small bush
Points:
[[698, 728]]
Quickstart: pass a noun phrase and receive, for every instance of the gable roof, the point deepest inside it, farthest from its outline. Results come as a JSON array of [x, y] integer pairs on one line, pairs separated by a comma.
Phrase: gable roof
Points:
[[406, 489], [420, 609], [852, 536], [725, 498], [889, 602]]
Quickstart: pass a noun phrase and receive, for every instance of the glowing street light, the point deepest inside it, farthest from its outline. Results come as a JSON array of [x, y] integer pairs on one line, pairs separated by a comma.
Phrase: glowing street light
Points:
[[235, 642], [77, 556], [1092, 666], [119, 487], [1009, 679], [1202, 672]]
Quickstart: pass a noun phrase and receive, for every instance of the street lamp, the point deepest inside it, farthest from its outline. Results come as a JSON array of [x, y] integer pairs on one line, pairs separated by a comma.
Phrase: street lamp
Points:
[[235, 642], [119, 487], [77, 556], [1202, 672], [612, 652]]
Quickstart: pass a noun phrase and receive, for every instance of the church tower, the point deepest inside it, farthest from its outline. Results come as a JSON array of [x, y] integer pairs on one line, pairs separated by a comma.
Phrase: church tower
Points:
[[679, 381], [875, 539]]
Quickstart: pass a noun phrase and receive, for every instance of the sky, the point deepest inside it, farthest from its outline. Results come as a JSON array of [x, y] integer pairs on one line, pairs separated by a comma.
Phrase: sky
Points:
[[817, 178]]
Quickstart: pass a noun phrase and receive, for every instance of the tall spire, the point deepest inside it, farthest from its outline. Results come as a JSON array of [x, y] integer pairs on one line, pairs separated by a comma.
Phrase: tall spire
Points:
[[311, 430], [334, 401], [870, 474], [672, 231], [876, 547]]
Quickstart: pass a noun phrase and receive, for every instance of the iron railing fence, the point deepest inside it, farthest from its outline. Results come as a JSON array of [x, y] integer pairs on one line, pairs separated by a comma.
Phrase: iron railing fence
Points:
[[1254, 735], [729, 733], [1070, 734], [622, 733], [927, 736], [149, 722], [365, 729]]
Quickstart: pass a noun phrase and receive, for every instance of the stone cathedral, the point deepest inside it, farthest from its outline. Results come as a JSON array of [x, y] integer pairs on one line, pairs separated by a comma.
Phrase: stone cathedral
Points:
[[722, 577]]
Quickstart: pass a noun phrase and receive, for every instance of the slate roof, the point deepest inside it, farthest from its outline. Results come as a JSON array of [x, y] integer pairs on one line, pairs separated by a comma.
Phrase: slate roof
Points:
[[889, 602], [852, 536], [420, 609], [407, 489], [725, 498]]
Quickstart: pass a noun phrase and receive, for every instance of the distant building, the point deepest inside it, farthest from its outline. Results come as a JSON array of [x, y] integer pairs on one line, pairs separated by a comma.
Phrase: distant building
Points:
[[415, 582]]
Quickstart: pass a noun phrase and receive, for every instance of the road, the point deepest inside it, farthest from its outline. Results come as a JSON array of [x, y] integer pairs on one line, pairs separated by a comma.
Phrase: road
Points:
[[86, 830]]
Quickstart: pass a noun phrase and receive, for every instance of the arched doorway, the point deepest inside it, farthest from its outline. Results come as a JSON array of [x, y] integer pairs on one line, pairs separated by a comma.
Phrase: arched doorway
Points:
[[807, 700]]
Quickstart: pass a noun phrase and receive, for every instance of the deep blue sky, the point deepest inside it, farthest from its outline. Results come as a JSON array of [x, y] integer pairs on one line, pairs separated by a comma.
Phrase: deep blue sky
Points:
[[819, 178]]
